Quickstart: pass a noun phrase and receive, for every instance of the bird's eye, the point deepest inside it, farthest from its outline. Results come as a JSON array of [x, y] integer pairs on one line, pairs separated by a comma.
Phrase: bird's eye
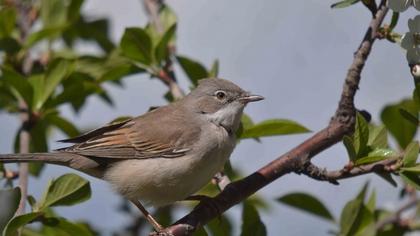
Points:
[[220, 95]]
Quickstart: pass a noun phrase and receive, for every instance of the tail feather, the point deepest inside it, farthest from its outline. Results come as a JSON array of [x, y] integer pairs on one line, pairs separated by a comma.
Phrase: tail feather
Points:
[[51, 158], [81, 163]]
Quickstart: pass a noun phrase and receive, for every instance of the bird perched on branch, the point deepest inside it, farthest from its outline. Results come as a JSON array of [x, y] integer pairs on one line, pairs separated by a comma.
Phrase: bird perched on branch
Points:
[[164, 155]]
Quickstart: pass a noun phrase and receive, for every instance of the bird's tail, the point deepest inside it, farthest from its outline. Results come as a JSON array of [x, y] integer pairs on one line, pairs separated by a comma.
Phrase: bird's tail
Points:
[[81, 163], [50, 158]]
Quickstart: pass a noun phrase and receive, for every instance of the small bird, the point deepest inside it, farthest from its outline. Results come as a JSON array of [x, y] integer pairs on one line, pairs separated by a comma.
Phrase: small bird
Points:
[[164, 155]]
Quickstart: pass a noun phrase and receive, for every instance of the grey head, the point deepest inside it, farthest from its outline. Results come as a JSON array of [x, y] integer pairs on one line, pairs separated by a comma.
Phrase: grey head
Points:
[[219, 101]]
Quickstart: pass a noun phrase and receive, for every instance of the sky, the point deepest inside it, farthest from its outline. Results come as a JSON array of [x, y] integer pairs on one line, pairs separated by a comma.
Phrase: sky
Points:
[[294, 53]]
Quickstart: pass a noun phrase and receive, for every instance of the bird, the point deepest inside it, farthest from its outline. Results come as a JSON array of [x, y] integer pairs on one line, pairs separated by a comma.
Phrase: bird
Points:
[[164, 155]]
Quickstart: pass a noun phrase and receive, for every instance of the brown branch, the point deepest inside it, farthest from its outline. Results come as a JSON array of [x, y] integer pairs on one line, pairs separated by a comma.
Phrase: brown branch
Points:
[[166, 74], [322, 174], [27, 17], [395, 217], [293, 161]]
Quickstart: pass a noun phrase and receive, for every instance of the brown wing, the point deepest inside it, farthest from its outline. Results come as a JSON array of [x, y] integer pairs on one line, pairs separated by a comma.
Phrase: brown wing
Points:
[[141, 137]]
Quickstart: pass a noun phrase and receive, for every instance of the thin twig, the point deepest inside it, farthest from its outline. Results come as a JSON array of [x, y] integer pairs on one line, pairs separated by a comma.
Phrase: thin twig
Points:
[[395, 217], [26, 19], [166, 74], [322, 174], [342, 123]]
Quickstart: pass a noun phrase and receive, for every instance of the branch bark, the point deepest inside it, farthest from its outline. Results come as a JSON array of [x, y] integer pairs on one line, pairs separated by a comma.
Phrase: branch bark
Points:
[[296, 159], [25, 21]]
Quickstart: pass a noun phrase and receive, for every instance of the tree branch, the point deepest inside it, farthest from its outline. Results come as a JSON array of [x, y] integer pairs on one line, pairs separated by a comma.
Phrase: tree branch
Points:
[[293, 161], [166, 74], [25, 21], [322, 174]]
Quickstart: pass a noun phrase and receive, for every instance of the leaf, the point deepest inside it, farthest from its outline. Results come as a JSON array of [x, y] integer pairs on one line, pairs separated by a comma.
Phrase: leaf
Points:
[[371, 204], [348, 144], [9, 45], [61, 225], [394, 20], [7, 21], [64, 125], [220, 226], [53, 13], [68, 189], [378, 137], [273, 127], [401, 129], [411, 153], [42, 34], [375, 156], [411, 177], [56, 72], [21, 87], [214, 71], [251, 222], [361, 136], [349, 215], [412, 169], [9, 199], [307, 203], [163, 47], [137, 45], [345, 3], [19, 221], [73, 10], [193, 69], [408, 116]]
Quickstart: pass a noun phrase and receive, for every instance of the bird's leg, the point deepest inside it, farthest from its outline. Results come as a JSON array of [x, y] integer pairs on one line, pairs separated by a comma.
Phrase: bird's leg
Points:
[[197, 198], [148, 216]]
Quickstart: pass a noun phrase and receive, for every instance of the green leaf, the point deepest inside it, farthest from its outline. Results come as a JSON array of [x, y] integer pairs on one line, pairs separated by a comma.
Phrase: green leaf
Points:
[[361, 136], [371, 204], [411, 177], [251, 222], [19, 221], [64, 125], [7, 21], [411, 153], [349, 215], [378, 137], [9, 199], [53, 12], [193, 69], [68, 189], [345, 3], [46, 33], [9, 45], [307, 203], [73, 10], [408, 116], [162, 50], [220, 226], [348, 144], [56, 72], [273, 127], [137, 45], [20, 86], [214, 71], [375, 156], [400, 128], [412, 169], [394, 20], [62, 226]]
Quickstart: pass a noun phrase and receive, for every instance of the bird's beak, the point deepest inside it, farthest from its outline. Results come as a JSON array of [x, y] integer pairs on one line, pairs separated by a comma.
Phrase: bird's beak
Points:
[[251, 98]]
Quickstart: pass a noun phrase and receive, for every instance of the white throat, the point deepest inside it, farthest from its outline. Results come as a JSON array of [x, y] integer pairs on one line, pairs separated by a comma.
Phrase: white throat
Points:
[[228, 117]]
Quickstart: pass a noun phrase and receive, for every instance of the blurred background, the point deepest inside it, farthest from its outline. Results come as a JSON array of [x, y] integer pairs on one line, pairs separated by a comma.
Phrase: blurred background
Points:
[[294, 53]]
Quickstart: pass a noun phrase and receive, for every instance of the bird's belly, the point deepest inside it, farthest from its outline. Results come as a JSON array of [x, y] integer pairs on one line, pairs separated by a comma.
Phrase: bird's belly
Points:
[[161, 181]]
